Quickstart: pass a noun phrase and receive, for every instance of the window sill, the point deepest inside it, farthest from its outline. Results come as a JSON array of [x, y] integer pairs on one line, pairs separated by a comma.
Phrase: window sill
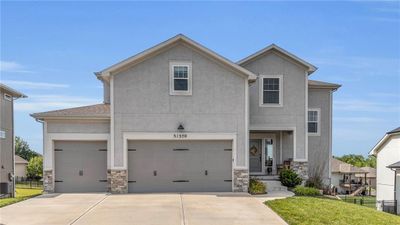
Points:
[[271, 105], [185, 93], [314, 134]]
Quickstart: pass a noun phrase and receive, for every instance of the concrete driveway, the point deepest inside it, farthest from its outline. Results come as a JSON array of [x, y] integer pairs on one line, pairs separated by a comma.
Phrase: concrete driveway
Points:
[[154, 209]]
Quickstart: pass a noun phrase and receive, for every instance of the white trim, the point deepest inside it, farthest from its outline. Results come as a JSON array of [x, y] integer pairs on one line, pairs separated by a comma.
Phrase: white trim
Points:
[[261, 91], [306, 116], [318, 110], [112, 121], [172, 90], [330, 136], [246, 125], [280, 147]]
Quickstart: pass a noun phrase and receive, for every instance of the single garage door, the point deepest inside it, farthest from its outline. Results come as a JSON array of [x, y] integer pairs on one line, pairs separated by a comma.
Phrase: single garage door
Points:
[[179, 166], [80, 166]]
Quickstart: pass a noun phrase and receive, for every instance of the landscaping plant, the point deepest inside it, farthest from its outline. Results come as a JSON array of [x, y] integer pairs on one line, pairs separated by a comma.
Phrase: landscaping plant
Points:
[[257, 187], [306, 191], [290, 178]]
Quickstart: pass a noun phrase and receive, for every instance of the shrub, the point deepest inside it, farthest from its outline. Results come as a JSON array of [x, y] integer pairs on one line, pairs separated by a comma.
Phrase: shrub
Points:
[[34, 169], [306, 191], [314, 182], [289, 178], [257, 187]]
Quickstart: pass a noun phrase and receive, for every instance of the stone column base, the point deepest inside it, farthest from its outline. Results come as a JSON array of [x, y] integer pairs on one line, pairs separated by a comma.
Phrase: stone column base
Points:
[[301, 168], [48, 181], [240, 180], [117, 181]]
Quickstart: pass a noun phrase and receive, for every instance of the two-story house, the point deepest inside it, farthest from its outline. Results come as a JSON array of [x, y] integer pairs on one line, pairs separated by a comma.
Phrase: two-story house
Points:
[[7, 167], [179, 117]]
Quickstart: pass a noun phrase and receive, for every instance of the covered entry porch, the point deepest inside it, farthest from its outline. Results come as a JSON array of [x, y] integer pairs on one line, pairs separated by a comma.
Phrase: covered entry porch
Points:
[[270, 151]]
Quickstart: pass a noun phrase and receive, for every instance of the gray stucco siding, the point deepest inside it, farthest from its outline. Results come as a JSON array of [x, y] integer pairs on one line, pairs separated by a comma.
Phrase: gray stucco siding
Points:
[[6, 145], [292, 112], [142, 102], [78, 126], [319, 147]]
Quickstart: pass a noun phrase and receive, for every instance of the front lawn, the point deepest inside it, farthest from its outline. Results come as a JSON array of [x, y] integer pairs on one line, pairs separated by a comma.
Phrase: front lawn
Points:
[[21, 194], [368, 201], [313, 211]]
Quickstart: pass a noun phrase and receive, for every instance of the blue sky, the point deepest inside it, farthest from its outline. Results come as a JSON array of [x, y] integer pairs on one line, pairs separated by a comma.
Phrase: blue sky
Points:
[[49, 51]]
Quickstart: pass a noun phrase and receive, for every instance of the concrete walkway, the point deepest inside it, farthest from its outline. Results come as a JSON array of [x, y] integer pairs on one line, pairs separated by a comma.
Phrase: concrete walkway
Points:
[[154, 209]]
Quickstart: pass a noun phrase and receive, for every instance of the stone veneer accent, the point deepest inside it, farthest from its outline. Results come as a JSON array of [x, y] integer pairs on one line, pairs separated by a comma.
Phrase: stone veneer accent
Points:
[[48, 184], [117, 181], [240, 180], [301, 168]]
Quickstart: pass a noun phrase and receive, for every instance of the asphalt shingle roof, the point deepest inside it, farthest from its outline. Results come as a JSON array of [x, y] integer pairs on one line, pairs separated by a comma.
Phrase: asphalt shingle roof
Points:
[[97, 111]]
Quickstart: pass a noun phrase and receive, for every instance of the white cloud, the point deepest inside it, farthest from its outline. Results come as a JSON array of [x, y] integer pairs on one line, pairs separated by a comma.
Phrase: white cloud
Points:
[[41, 103], [33, 85], [13, 67]]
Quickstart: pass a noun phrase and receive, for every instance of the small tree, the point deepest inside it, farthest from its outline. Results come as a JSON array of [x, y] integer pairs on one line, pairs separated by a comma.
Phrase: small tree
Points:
[[34, 169], [23, 150], [290, 178]]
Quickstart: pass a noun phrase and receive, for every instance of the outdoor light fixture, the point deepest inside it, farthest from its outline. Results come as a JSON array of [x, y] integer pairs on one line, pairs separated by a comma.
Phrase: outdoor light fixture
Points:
[[181, 128]]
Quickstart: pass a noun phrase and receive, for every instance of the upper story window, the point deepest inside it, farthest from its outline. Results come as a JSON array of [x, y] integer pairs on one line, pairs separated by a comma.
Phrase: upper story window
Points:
[[180, 78], [271, 90], [314, 121]]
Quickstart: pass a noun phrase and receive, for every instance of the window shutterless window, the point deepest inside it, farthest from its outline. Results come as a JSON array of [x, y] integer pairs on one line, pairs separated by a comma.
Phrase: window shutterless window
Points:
[[180, 78], [271, 90], [314, 121]]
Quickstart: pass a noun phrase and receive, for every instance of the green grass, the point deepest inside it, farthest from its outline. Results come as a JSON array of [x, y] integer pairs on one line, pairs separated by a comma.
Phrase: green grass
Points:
[[313, 211], [21, 195]]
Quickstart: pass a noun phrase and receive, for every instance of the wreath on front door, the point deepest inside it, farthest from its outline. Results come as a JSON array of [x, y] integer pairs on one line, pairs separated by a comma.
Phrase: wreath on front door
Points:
[[253, 150]]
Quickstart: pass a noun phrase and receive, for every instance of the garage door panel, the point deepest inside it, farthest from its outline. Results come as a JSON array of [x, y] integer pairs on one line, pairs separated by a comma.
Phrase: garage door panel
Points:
[[80, 166], [182, 166]]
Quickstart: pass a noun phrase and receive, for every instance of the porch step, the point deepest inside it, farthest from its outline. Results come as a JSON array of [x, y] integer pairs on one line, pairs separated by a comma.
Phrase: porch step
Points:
[[274, 185], [264, 177]]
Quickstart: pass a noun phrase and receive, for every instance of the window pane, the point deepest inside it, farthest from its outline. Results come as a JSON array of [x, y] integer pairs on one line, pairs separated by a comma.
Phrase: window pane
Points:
[[180, 71], [271, 97], [312, 127], [313, 116], [271, 84], [180, 84]]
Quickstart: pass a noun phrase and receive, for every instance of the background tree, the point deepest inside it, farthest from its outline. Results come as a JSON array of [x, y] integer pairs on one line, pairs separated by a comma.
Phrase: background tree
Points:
[[23, 150], [34, 169], [358, 160]]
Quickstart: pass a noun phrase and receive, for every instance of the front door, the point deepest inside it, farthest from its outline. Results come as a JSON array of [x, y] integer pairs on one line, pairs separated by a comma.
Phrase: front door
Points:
[[256, 156]]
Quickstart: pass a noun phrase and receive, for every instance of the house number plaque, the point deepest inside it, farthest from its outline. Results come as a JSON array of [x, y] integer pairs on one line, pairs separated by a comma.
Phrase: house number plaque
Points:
[[180, 136]]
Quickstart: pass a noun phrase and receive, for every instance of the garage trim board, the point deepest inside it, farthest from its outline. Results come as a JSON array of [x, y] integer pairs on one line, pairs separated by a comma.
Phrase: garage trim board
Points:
[[174, 136]]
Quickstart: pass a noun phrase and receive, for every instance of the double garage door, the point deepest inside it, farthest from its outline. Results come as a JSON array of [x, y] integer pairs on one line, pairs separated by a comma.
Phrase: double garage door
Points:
[[153, 166]]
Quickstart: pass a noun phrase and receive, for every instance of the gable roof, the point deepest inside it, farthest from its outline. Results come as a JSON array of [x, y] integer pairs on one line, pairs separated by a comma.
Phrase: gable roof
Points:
[[19, 159], [395, 165], [164, 45], [342, 167], [323, 85], [311, 68], [371, 172], [98, 111], [389, 134], [13, 92]]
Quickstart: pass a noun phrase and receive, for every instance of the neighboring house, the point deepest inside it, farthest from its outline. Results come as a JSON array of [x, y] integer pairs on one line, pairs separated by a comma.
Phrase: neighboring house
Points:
[[369, 177], [387, 153], [180, 117], [345, 177], [20, 167], [7, 97]]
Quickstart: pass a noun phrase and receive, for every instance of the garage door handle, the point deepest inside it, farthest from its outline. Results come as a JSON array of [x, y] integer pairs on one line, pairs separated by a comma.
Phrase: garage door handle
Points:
[[228, 180], [58, 181], [206, 172], [102, 180], [155, 172], [180, 181]]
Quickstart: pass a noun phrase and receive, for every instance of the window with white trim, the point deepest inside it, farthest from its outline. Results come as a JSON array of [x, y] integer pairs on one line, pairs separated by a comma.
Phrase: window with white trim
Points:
[[314, 121], [271, 90], [2, 134], [180, 78]]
